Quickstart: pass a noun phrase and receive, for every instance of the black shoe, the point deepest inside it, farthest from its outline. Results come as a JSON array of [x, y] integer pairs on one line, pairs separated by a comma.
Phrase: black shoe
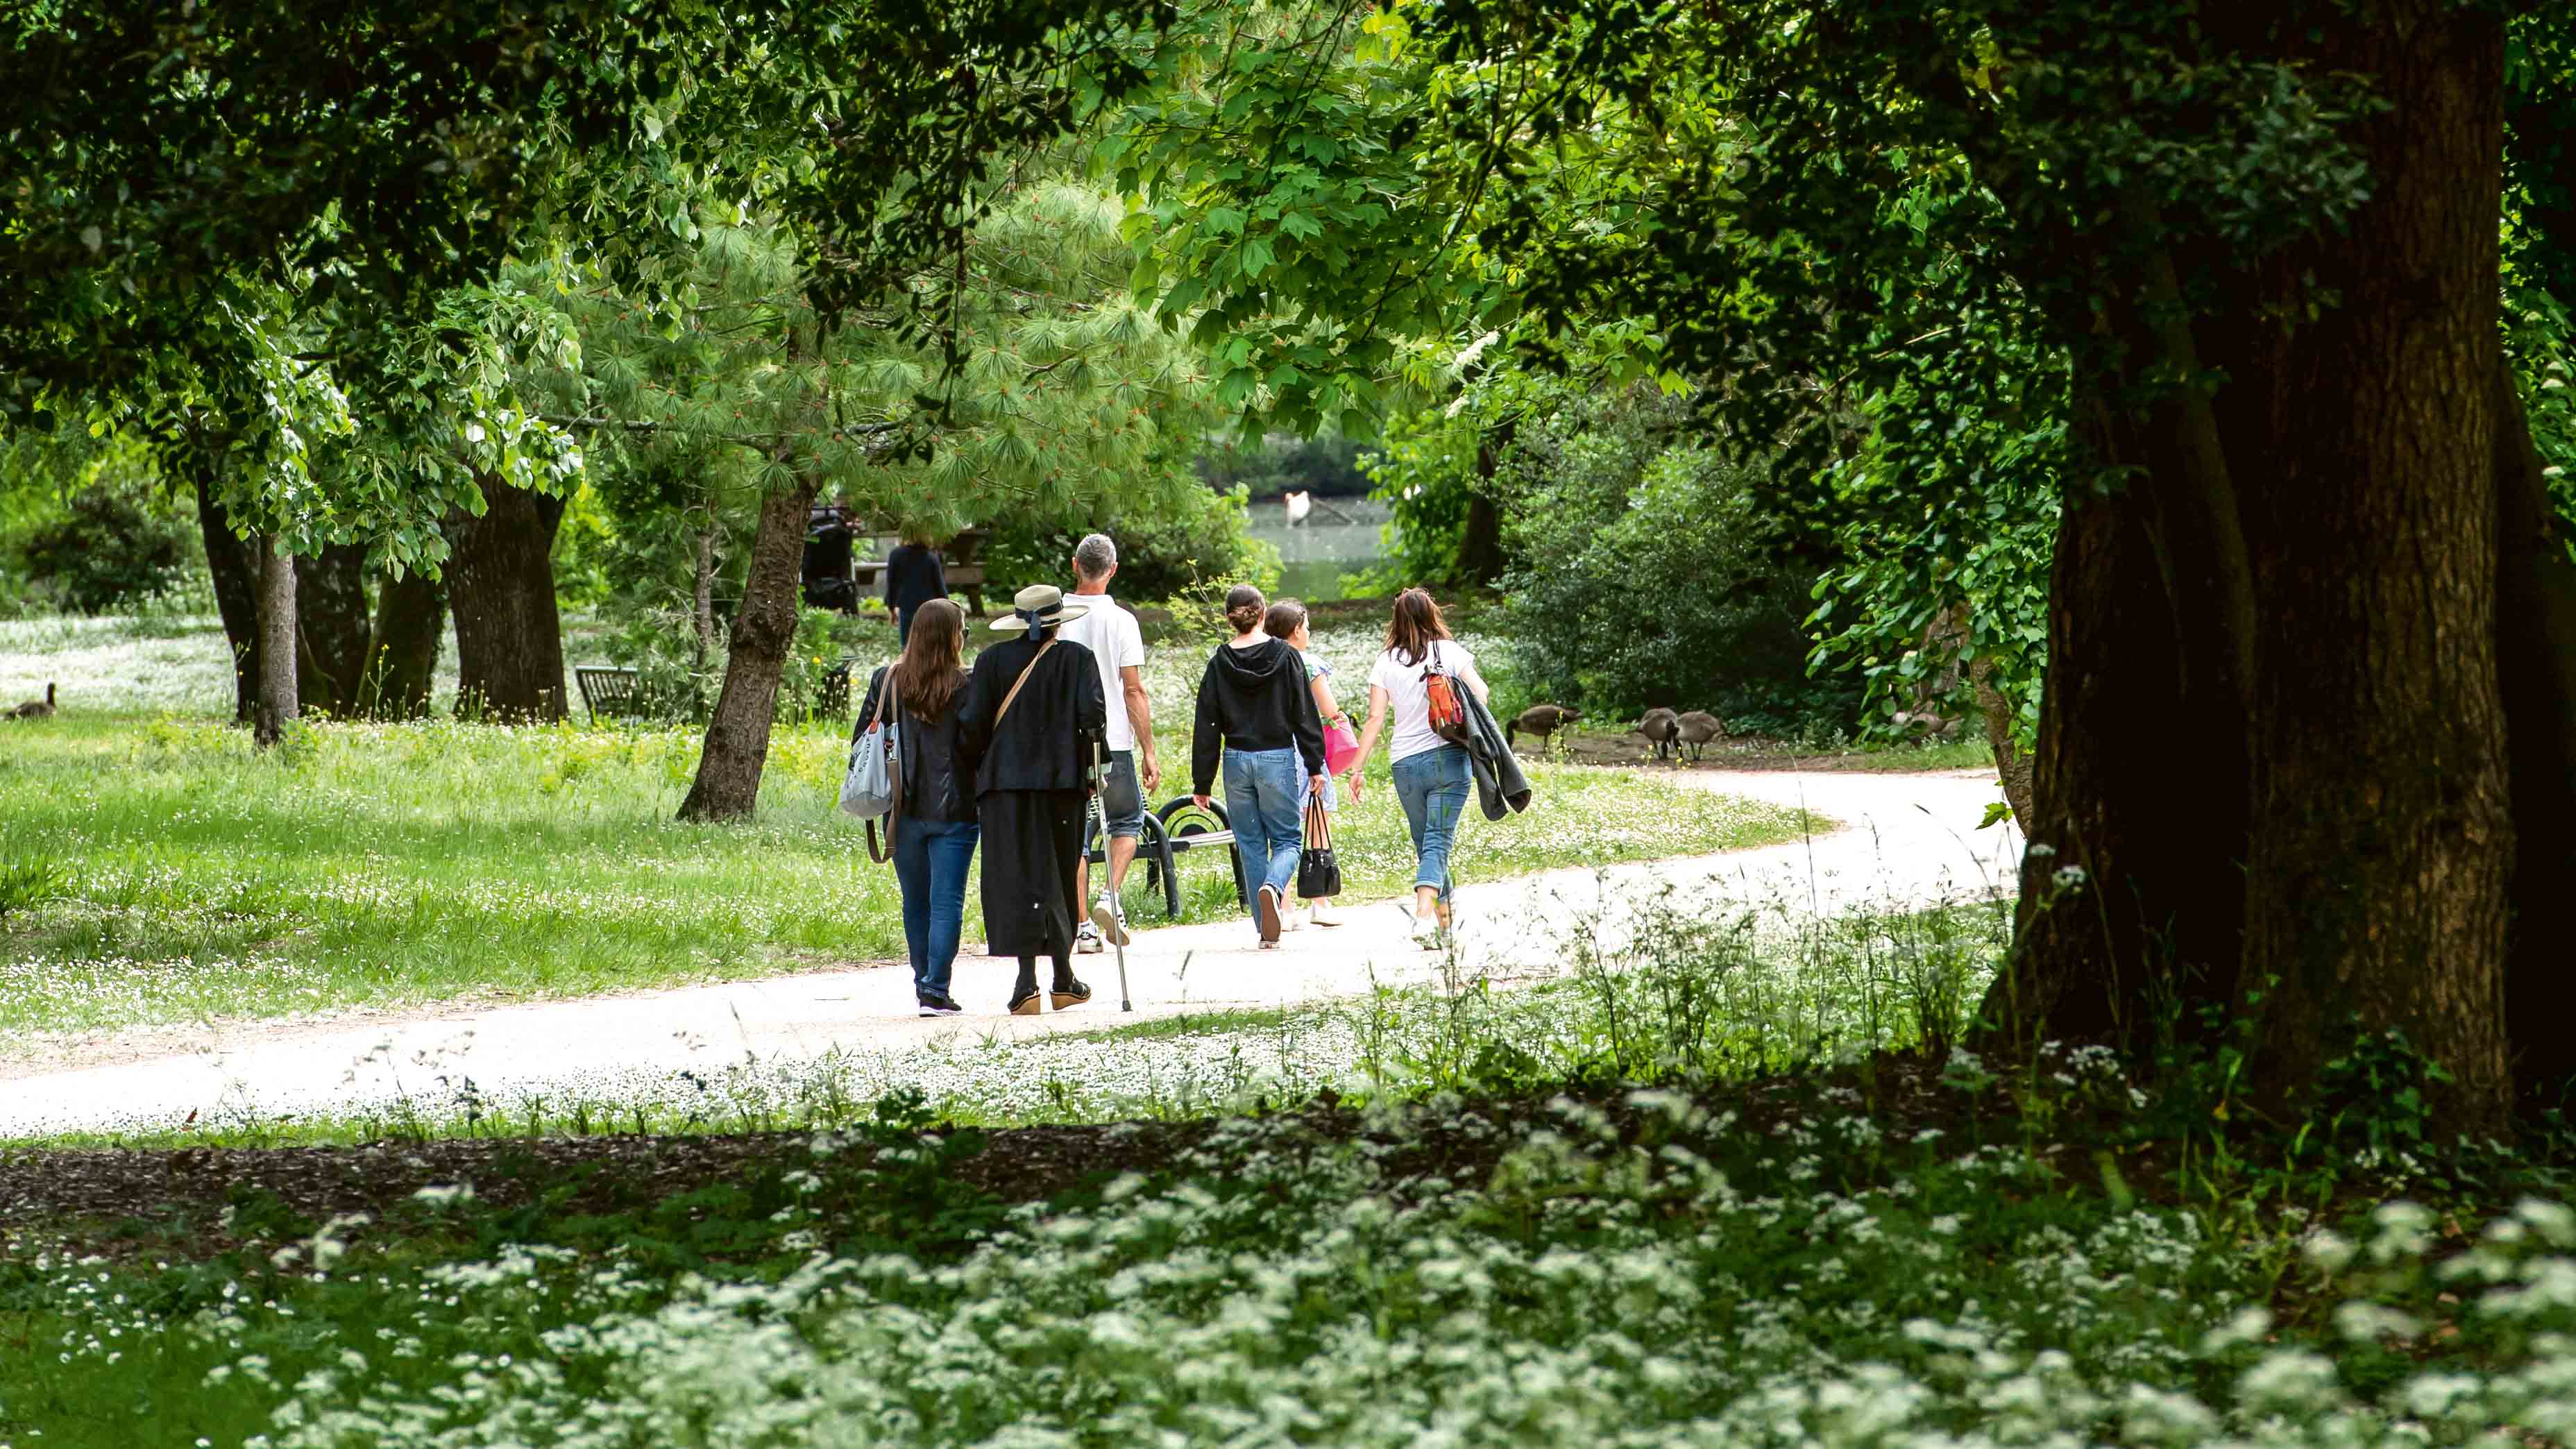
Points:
[[1071, 994], [1024, 1003], [1265, 914], [939, 1006]]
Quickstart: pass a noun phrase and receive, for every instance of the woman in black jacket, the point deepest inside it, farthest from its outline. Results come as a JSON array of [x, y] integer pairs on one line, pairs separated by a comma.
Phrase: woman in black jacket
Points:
[[934, 827], [914, 575], [1033, 722], [1257, 715]]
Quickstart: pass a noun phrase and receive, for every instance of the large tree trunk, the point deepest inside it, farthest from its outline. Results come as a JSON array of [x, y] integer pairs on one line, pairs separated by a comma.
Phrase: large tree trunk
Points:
[[501, 584], [331, 642], [402, 649], [2383, 845], [737, 747], [235, 566], [2536, 657], [277, 704], [2274, 731], [2131, 901]]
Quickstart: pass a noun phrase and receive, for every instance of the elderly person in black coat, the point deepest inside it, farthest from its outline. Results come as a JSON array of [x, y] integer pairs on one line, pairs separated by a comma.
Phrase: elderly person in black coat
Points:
[[1033, 716]]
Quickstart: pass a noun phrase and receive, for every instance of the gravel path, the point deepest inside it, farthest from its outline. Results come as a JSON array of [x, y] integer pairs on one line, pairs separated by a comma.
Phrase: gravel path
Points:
[[1906, 840]]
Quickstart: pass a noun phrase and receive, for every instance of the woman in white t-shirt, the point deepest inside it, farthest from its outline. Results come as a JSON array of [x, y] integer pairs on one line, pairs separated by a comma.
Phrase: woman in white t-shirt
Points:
[[1432, 776]]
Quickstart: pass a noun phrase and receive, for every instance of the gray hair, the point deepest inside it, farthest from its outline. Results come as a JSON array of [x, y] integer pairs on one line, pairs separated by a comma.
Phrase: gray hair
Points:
[[1095, 556]]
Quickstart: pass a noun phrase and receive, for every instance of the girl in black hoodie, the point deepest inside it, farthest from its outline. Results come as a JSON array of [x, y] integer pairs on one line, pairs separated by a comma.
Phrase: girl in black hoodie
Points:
[[1257, 715]]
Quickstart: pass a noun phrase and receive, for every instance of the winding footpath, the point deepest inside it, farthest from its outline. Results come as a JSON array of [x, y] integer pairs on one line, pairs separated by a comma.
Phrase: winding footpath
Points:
[[1905, 841]]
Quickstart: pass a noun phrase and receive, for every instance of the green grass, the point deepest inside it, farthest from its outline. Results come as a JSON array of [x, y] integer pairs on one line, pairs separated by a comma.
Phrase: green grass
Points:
[[386, 866]]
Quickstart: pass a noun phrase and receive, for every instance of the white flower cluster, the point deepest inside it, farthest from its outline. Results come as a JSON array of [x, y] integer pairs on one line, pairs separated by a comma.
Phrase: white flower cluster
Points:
[[1590, 1291]]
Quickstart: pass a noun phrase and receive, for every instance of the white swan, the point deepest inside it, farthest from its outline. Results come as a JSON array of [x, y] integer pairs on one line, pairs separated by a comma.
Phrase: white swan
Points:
[[1299, 505]]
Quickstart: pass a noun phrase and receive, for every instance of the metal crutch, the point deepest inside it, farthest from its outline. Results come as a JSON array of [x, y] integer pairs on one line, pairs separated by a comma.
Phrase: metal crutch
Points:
[[1117, 907]]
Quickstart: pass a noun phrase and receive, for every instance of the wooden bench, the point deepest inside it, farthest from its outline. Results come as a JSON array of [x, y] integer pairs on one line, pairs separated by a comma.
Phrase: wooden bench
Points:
[[616, 693], [1176, 829]]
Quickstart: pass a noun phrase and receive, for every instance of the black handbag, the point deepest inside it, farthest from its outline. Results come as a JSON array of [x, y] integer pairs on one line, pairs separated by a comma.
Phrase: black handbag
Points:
[[1319, 876]]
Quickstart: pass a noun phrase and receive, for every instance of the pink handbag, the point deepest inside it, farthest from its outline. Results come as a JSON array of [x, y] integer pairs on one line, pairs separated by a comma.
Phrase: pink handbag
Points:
[[1341, 746]]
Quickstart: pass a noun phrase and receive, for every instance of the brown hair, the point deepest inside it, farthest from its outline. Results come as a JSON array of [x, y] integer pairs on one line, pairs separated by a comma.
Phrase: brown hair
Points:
[[1417, 622], [1286, 617], [932, 668], [1244, 607]]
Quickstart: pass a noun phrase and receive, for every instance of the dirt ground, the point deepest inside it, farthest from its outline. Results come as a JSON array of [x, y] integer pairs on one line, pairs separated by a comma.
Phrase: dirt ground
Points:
[[1730, 754]]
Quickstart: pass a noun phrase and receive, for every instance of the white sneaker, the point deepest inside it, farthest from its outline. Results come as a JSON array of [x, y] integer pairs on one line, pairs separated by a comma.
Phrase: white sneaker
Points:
[[1426, 931], [1086, 939], [1317, 915], [1105, 923]]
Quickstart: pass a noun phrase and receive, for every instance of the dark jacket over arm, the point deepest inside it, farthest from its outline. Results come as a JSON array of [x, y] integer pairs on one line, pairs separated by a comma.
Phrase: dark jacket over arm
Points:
[[1501, 788], [1046, 742]]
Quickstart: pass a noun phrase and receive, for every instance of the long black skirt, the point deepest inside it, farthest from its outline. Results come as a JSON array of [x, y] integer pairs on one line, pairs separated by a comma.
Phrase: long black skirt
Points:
[[1032, 844]]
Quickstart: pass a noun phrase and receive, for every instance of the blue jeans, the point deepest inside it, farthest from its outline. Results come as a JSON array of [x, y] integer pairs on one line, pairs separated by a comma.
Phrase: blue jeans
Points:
[[1265, 792], [930, 863], [1432, 786]]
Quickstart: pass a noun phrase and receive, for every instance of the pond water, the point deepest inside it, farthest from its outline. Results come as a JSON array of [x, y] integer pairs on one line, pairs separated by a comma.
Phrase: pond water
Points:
[[1341, 536]]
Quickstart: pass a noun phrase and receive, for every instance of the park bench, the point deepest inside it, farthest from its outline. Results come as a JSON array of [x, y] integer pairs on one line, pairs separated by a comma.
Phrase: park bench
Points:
[[616, 693], [1171, 832]]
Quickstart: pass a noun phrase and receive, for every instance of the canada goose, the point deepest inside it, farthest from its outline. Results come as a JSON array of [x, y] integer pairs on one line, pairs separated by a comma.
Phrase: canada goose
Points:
[[1932, 725], [1542, 720], [1661, 727], [1697, 728], [37, 708]]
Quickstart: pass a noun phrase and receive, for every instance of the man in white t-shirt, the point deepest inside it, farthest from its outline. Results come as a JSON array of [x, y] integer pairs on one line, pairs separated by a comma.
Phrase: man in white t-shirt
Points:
[[1109, 631]]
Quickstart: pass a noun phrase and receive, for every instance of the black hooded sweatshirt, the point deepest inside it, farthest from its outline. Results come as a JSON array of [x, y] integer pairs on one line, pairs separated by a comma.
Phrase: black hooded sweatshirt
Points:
[[1254, 699]]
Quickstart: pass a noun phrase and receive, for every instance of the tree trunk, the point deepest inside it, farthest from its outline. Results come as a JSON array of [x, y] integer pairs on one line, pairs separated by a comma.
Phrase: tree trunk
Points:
[[2148, 813], [235, 567], [2383, 845], [2536, 642], [402, 648], [277, 705], [705, 615], [737, 747], [2013, 769], [1480, 542], [501, 583], [2274, 731], [331, 612]]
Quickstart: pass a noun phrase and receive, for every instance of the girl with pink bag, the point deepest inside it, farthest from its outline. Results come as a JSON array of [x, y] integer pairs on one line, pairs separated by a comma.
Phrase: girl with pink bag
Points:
[[1287, 620]]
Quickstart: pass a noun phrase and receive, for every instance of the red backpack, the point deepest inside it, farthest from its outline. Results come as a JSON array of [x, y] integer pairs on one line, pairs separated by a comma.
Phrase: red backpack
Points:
[[1448, 711]]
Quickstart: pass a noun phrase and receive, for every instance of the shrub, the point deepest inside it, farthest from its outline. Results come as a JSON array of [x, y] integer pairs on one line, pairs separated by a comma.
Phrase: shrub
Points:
[[1626, 596], [113, 542]]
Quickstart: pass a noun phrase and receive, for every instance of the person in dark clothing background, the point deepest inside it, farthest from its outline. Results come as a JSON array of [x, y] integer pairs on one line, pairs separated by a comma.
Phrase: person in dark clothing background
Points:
[[1257, 715], [1034, 714], [934, 824], [914, 575]]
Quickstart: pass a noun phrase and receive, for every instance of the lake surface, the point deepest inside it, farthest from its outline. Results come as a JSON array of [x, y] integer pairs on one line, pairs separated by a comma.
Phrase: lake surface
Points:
[[1341, 536]]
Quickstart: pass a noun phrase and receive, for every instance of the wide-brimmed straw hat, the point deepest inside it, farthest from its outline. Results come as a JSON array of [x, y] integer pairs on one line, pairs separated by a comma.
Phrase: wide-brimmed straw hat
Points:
[[1042, 605]]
